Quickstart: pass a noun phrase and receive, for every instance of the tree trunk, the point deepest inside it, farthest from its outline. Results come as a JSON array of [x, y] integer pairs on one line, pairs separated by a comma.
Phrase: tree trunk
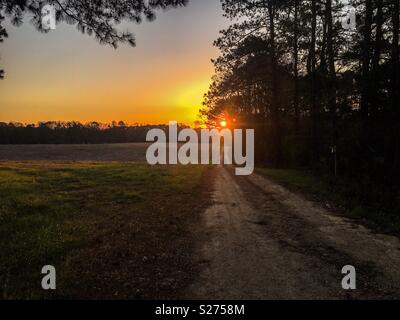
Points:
[[378, 37], [366, 60], [377, 56], [314, 111], [277, 134], [296, 67], [395, 58], [395, 90], [332, 77]]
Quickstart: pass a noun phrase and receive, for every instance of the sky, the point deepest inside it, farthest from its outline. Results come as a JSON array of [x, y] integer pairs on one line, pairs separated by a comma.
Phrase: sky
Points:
[[67, 76]]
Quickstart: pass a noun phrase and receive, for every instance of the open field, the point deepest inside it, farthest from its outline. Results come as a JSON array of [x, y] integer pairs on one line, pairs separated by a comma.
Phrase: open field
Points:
[[135, 152], [126, 230], [112, 230]]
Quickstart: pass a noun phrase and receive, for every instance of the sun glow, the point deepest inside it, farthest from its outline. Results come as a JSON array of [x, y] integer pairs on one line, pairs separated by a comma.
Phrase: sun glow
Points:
[[223, 124]]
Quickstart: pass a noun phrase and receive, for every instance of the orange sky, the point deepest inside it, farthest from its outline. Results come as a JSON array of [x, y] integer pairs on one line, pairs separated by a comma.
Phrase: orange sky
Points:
[[67, 76]]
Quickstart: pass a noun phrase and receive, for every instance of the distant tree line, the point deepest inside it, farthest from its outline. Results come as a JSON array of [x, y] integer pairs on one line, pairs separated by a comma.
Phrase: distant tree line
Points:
[[56, 132], [319, 95]]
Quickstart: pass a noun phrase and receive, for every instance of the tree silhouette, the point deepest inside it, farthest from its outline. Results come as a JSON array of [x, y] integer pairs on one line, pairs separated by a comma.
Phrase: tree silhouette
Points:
[[58, 132], [314, 90], [98, 18]]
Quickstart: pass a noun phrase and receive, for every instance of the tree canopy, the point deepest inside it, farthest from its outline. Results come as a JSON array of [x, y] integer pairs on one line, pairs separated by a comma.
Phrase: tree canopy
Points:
[[318, 93], [99, 18]]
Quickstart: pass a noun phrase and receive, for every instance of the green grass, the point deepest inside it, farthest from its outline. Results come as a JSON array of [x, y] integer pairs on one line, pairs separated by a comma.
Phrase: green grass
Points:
[[50, 211], [360, 198]]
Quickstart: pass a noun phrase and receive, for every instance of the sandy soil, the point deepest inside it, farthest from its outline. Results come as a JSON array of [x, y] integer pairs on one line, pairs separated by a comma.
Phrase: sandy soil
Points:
[[264, 242]]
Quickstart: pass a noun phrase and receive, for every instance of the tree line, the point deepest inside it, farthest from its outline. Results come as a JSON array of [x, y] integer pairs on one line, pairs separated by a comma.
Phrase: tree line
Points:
[[319, 95], [57, 132]]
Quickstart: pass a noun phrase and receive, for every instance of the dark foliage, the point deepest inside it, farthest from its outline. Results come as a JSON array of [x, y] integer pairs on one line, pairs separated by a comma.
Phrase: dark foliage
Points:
[[73, 133], [99, 18], [319, 95]]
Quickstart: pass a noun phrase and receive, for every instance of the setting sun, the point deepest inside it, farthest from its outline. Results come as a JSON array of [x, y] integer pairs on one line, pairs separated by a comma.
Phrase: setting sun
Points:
[[76, 79], [223, 124]]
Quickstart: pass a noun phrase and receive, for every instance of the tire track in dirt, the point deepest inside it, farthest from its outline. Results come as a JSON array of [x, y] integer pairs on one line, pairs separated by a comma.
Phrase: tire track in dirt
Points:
[[264, 242]]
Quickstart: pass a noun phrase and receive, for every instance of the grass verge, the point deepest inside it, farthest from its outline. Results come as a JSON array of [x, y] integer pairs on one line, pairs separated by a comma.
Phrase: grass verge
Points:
[[375, 205]]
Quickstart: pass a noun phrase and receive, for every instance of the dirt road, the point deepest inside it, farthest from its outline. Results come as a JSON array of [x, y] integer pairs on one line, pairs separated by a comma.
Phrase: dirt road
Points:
[[264, 242]]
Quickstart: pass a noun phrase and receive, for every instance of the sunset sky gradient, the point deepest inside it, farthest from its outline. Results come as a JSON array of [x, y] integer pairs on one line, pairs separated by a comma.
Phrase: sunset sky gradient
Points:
[[67, 76]]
